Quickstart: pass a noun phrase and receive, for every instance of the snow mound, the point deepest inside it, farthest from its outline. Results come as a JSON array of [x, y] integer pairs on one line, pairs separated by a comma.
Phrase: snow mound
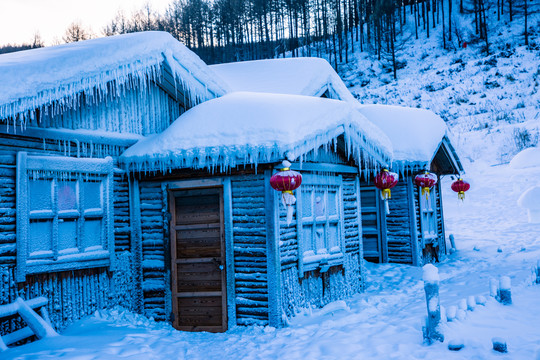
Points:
[[251, 128], [530, 200], [527, 158], [415, 133], [295, 76], [65, 74]]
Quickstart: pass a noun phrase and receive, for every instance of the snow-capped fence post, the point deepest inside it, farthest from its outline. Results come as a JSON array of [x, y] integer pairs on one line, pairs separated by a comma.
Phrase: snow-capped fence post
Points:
[[494, 288], [505, 292], [431, 287]]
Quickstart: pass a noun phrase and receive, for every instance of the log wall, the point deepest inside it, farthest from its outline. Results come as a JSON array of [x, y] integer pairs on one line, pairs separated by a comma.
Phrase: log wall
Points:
[[250, 253]]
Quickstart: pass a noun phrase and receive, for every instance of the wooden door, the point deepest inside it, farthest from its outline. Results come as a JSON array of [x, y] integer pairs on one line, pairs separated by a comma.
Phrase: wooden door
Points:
[[372, 235], [198, 260]]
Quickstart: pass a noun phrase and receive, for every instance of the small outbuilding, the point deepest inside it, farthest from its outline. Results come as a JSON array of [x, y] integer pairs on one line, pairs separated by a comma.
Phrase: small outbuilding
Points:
[[234, 258], [413, 231]]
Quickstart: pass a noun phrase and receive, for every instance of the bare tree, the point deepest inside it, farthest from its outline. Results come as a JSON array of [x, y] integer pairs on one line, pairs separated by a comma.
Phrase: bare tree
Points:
[[76, 32]]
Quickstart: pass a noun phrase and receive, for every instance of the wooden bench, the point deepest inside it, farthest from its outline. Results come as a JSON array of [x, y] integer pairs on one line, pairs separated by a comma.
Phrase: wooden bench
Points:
[[37, 325]]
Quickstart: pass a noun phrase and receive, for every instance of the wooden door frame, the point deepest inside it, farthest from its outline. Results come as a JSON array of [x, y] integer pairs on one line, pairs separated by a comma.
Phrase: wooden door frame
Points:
[[380, 214], [229, 304]]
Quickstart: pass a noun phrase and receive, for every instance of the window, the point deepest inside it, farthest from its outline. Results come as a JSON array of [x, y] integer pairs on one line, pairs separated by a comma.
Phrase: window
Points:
[[428, 216], [64, 214], [320, 222]]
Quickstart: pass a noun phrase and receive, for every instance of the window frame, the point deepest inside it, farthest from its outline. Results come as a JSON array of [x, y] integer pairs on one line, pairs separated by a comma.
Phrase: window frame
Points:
[[95, 168], [333, 259]]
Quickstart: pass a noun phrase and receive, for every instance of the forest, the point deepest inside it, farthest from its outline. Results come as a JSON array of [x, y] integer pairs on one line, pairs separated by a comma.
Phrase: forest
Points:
[[236, 30]]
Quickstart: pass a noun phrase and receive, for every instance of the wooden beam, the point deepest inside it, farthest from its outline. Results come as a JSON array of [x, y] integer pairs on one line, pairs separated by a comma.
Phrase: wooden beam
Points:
[[412, 222], [229, 251], [273, 258]]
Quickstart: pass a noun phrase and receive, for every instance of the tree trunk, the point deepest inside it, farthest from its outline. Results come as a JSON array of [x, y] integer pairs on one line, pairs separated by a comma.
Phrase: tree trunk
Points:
[[449, 20], [526, 16]]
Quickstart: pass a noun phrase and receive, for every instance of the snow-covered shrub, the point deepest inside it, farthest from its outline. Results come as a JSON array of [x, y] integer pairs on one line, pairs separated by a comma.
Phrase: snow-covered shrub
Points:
[[523, 138]]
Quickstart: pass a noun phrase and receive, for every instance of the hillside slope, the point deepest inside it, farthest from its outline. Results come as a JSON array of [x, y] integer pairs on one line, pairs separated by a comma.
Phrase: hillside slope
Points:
[[491, 101]]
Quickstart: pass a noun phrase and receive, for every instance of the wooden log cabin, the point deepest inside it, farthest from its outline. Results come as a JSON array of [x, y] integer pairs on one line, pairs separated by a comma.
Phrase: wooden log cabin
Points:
[[413, 231], [66, 113], [234, 258]]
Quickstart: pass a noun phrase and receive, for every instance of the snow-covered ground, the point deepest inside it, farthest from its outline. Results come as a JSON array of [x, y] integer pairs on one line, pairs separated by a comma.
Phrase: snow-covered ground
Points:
[[493, 238], [492, 105]]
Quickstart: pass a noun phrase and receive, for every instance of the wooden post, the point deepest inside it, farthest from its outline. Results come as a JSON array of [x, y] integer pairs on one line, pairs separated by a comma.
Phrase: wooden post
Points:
[[452, 244], [431, 286], [493, 288], [505, 292], [538, 272]]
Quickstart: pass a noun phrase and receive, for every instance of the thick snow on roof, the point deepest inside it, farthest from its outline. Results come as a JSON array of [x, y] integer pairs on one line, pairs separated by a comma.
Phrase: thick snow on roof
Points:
[[33, 78], [415, 133], [529, 157], [295, 76], [250, 128]]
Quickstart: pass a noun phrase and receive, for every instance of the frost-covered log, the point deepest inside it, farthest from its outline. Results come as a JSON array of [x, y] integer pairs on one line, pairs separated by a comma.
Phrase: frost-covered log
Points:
[[451, 313], [456, 345], [431, 286], [505, 292], [35, 322], [471, 303]]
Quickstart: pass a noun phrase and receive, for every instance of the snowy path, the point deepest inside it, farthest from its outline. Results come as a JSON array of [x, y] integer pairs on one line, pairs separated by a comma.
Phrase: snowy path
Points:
[[382, 323]]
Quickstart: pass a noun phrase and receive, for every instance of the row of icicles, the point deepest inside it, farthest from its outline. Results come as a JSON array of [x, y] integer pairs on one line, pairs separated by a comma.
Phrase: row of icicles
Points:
[[287, 180], [386, 180]]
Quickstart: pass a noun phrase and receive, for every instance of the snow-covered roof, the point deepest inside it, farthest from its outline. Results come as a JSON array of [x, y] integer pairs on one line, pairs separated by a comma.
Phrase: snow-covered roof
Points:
[[296, 76], [416, 134], [250, 128], [63, 74]]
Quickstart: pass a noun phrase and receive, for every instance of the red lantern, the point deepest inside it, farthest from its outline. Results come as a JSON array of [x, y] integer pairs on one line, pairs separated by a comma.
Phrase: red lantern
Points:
[[426, 181], [286, 181], [460, 186], [384, 181]]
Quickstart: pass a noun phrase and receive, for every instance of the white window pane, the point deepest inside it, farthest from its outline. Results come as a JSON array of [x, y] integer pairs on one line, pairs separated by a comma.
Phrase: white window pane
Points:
[[332, 202], [319, 204], [92, 233], [67, 195], [333, 240], [67, 234], [92, 195], [40, 238], [320, 239], [308, 237], [40, 194]]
